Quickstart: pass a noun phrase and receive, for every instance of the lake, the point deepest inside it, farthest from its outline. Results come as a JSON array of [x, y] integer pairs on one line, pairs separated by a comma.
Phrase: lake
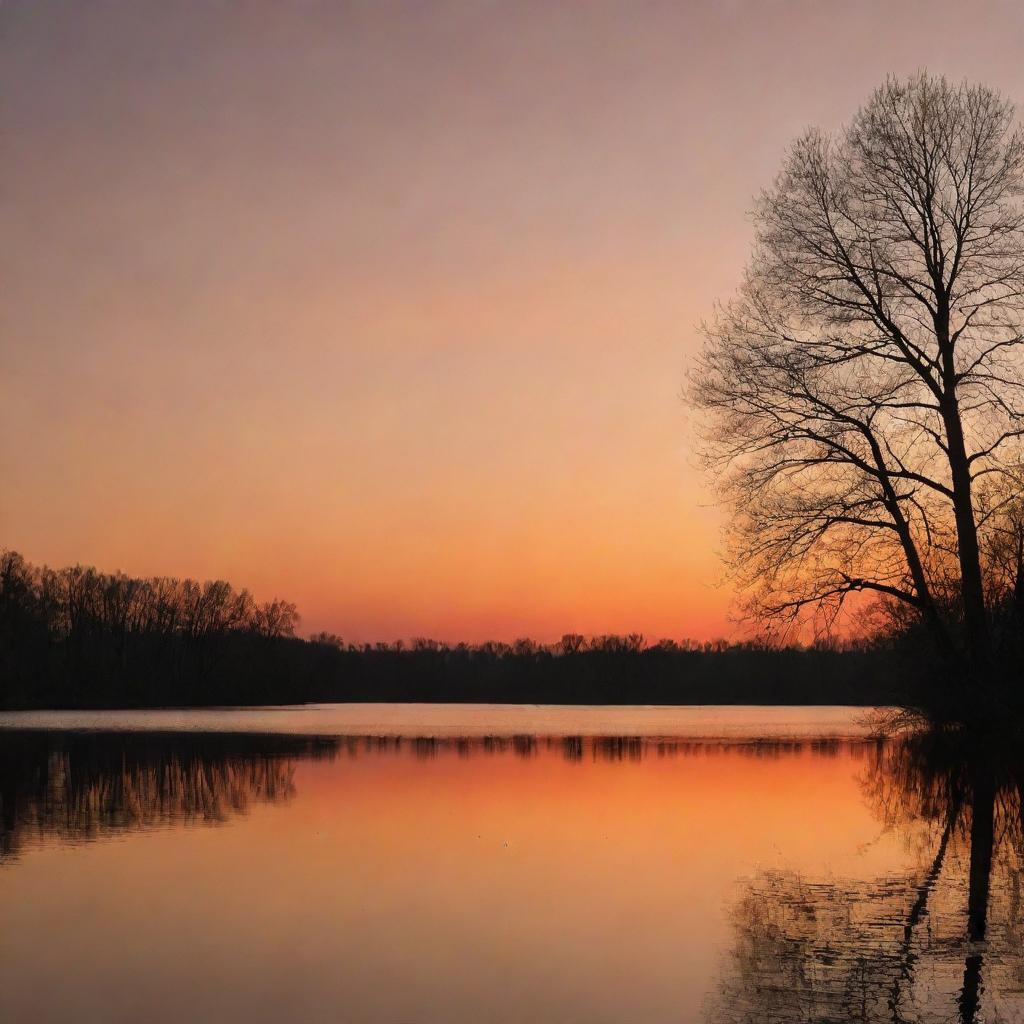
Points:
[[484, 863]]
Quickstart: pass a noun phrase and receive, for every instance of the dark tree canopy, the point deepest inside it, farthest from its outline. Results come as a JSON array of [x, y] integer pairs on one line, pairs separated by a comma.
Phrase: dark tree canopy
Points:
[[76, 637], [864, 390]]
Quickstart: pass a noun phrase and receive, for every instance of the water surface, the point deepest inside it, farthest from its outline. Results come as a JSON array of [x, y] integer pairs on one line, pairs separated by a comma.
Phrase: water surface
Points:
[[387, 863], [456, 720]]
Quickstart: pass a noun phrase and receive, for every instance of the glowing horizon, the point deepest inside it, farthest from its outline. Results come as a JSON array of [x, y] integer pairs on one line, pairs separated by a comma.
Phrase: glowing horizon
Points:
[[385, 310]]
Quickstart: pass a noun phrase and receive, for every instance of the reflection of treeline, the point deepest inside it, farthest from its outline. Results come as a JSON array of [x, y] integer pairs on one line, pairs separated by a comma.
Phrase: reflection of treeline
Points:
[[81, 785], [598, 748], [76, 637]]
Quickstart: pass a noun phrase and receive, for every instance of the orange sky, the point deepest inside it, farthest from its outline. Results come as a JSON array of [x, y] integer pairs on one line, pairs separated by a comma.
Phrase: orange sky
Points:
[[384, 307]]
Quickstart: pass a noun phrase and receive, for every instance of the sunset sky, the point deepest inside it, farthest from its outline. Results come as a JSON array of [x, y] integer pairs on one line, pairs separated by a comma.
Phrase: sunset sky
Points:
[[386, 307]]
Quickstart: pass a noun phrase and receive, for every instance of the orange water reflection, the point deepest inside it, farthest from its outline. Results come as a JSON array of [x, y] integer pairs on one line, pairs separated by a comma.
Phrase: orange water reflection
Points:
[[499, 878]]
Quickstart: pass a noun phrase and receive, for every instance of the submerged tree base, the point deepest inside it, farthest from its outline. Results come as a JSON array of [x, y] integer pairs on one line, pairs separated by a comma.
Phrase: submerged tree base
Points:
[[990, 709]]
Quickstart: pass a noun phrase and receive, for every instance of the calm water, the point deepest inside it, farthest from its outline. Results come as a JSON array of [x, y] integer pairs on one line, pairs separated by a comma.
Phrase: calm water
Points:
[[510, 864]]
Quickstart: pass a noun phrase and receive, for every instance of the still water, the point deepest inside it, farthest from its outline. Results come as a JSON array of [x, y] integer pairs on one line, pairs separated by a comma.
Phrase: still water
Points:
[[404, 863]]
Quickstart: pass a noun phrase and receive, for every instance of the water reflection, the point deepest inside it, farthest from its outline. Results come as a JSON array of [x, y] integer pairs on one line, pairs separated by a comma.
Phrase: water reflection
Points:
[[944, 942], [941, 940], [82, 786]]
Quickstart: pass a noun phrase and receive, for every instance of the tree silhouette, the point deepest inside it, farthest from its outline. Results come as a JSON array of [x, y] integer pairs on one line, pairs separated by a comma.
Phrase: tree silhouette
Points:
[[866, 379]]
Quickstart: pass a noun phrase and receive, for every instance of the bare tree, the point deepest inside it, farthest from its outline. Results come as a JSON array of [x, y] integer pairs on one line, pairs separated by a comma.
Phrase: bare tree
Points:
[[275, 619], [867, 374]]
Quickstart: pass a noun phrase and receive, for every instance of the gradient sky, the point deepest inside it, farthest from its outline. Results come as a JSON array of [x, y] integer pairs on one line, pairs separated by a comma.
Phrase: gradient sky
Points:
[[386, 308]]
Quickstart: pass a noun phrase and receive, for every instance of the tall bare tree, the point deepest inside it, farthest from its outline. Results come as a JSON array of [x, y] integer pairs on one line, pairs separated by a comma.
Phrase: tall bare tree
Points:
[[868, 373]]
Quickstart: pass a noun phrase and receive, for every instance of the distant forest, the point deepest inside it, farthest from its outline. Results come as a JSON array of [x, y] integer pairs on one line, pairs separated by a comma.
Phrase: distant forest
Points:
[[80, 638]]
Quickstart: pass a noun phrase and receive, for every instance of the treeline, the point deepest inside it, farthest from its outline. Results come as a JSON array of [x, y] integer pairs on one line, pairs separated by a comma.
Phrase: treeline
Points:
[[76, 637], [612, 670], [79, 638]]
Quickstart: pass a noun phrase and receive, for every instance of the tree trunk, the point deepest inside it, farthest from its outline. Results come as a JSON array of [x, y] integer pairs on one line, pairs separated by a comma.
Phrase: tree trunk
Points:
[[972, 591], [972, 588]]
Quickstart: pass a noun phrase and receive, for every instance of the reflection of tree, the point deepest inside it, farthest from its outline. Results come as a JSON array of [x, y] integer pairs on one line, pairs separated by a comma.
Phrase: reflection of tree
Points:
[[84, 785], [943, 942]]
